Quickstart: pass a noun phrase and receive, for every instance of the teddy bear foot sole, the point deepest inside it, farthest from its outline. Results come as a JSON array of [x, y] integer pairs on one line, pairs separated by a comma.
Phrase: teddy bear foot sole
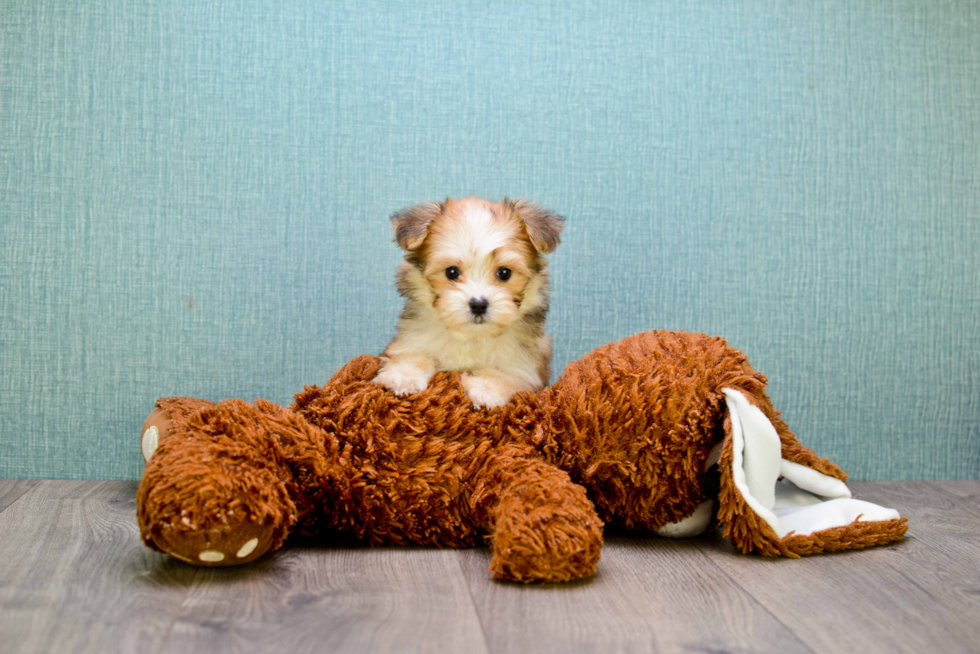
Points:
[[212, 548]]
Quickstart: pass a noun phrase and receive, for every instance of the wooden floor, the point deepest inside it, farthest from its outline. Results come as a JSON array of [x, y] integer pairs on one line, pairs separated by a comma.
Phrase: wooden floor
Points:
[[74, 577]]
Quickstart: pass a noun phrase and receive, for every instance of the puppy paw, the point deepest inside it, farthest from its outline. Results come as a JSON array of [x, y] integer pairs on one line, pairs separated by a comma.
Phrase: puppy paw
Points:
[[485, 392], [403, 380]]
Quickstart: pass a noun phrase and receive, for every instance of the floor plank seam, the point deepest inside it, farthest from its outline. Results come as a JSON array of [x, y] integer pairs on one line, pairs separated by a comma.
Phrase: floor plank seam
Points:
[[173, 622], [758, 601], [469, 591], [31, 485]]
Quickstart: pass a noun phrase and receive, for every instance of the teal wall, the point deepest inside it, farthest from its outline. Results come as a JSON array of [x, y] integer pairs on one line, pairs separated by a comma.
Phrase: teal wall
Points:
[[194, 200]]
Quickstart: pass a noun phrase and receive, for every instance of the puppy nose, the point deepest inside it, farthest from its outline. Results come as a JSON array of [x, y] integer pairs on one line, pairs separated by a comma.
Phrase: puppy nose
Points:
[[478, 307]]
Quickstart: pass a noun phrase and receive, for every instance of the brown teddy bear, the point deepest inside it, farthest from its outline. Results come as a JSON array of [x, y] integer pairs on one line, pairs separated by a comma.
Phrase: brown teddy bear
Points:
[[662, 432]]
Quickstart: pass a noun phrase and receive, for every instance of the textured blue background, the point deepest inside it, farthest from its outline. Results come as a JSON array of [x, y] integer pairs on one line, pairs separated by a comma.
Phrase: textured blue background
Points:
[[194, 200]]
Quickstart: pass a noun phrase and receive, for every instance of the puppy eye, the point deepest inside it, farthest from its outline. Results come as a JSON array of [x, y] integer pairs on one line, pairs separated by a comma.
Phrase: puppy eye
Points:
[[503, 274], [452, 272]]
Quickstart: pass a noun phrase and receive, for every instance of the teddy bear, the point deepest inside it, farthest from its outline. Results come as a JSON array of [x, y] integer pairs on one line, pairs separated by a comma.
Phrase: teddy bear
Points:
[[661, 432]]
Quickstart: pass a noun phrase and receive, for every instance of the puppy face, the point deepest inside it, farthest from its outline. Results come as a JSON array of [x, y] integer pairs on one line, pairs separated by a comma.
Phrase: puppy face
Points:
[[477, 263]]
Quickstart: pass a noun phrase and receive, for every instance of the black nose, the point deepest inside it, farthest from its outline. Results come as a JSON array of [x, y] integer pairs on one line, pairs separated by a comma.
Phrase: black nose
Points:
[[478, 307]]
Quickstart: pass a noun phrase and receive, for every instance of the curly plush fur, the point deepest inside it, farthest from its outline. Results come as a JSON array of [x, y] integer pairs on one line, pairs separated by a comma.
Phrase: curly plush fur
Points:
[[623, 437]]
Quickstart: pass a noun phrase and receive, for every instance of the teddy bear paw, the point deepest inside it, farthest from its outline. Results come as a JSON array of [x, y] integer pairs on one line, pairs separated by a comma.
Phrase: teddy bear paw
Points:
[[563, 552]]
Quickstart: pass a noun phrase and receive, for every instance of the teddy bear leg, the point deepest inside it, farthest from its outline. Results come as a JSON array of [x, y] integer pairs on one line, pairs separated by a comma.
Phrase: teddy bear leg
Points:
[[214, 490], [542, 526]]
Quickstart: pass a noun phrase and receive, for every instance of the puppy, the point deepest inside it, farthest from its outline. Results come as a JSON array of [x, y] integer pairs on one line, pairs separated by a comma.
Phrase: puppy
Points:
[[475, 283]]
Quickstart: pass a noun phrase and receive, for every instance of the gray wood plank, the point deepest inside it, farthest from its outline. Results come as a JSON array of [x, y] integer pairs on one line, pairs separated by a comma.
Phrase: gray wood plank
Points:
[[75, 577], [898, 598], [648, 595], [64, 489], [944, 536], [306, 598], [967, 489], [11, 489]]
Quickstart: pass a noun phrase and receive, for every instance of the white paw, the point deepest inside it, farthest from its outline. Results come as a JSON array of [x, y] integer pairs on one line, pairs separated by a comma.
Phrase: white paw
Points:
[[403, 380], [484, 393]]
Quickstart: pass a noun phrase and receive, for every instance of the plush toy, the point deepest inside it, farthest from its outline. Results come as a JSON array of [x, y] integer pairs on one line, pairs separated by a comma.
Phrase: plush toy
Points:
[[662, 432]]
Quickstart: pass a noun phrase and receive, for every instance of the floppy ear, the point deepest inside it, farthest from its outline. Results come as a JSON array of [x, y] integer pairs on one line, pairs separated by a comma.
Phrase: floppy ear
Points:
[[543, 225], [778, 498], [412, 224]]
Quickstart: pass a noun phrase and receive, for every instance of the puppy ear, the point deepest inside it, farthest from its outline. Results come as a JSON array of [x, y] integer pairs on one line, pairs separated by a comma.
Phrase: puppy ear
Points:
[[412, 224], [543, 225]]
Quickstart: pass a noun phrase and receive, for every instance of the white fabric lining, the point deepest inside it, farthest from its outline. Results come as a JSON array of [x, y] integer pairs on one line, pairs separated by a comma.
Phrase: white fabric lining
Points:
[[738, 468], [812, 481], [805, 501], [692, 525]]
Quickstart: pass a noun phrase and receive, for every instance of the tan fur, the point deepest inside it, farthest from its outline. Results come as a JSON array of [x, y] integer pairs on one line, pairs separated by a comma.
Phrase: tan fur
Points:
[[500, 353]]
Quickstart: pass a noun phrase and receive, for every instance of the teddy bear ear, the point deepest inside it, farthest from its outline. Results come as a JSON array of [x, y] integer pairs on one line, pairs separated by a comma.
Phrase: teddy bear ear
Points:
[[412, 224], [775, 500], [543, 225]]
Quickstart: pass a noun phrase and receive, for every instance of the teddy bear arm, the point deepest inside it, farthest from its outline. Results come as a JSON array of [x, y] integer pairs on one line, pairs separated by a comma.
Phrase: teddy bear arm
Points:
[[542, 526], [169, 415]]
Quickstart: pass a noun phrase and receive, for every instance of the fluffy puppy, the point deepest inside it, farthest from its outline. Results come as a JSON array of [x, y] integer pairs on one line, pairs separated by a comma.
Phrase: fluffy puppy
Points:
[[475, 284]]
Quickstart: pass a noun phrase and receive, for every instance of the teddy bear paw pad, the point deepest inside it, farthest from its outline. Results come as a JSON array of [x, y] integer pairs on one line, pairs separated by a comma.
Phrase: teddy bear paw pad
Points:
[[149, 442], [217, 556], [248, 548], [211, 556]]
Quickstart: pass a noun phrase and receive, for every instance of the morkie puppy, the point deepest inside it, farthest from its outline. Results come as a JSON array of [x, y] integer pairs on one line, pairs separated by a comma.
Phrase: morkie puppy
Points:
[[475, 284]]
